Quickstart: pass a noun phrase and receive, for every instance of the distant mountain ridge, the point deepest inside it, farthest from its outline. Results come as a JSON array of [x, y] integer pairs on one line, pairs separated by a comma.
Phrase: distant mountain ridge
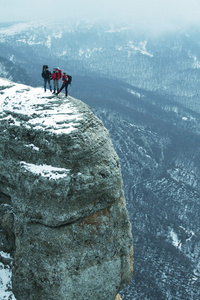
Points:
[[169, 63]]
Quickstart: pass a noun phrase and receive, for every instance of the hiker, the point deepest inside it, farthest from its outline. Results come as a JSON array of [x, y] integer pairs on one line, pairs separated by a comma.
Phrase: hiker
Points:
[[46, 74], [57, 74], [65, 81]]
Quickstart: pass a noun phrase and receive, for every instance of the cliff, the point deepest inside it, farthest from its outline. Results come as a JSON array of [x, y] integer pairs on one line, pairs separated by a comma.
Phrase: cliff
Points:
[[63, 213]]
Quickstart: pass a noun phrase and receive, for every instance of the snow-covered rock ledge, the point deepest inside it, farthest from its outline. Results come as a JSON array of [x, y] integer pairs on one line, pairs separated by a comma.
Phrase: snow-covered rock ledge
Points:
[[63, 213]]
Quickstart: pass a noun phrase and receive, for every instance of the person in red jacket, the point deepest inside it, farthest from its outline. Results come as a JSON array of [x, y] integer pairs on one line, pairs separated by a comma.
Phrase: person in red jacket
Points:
[[64, 85], [56, 75]]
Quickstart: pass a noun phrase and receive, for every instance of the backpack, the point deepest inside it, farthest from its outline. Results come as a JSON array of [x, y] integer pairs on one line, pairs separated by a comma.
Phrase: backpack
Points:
[[59, 71], [44, 70], [69, 79]]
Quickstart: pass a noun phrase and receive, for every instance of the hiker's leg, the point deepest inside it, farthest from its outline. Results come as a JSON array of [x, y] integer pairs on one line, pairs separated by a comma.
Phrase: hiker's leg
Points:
[[62, 87], [57, 85], [58, 92], [54, 86], [49, 82], [45, 84], [66, 91]]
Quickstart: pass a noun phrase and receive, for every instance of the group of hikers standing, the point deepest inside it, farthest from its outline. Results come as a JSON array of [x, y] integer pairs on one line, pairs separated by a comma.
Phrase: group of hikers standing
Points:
[[55, 76]]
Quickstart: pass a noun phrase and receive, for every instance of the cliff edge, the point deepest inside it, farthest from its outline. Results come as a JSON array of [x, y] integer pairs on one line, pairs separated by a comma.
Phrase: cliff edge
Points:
[[63, 212]]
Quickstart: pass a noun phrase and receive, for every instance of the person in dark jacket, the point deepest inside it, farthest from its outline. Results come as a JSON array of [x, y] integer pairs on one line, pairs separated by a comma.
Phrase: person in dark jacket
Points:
[[46, 74], [55, 77], [64, 85]]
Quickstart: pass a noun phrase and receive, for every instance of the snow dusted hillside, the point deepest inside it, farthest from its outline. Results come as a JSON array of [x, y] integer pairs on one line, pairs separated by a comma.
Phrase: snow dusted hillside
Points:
[[158, 143], [13, 71], [146, 90], [169, 63]]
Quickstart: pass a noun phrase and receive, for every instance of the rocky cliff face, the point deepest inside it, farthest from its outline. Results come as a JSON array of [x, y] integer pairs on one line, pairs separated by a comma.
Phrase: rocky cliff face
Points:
[[64, 217]]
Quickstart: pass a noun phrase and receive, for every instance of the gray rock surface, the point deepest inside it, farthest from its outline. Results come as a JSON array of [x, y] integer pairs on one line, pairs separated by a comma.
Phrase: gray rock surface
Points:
[[64, 216]]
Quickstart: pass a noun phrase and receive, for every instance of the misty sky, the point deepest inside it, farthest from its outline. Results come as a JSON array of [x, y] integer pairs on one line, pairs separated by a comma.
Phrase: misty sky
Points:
[[143, 13]]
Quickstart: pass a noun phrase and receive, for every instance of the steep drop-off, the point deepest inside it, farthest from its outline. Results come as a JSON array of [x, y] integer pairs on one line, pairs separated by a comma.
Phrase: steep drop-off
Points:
[[64, 217]]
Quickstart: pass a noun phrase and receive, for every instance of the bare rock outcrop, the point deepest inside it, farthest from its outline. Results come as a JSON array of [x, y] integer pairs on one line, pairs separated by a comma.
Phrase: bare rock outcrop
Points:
[[64, 217]]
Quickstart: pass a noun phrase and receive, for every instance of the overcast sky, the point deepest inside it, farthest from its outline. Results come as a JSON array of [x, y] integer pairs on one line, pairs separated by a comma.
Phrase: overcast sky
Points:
[[143, 13]]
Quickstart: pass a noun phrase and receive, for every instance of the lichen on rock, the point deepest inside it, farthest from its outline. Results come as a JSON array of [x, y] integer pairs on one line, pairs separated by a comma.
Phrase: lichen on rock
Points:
[[70, 234]]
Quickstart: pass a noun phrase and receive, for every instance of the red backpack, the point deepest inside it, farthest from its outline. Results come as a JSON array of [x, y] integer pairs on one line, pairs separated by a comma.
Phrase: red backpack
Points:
[[60, 72]]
